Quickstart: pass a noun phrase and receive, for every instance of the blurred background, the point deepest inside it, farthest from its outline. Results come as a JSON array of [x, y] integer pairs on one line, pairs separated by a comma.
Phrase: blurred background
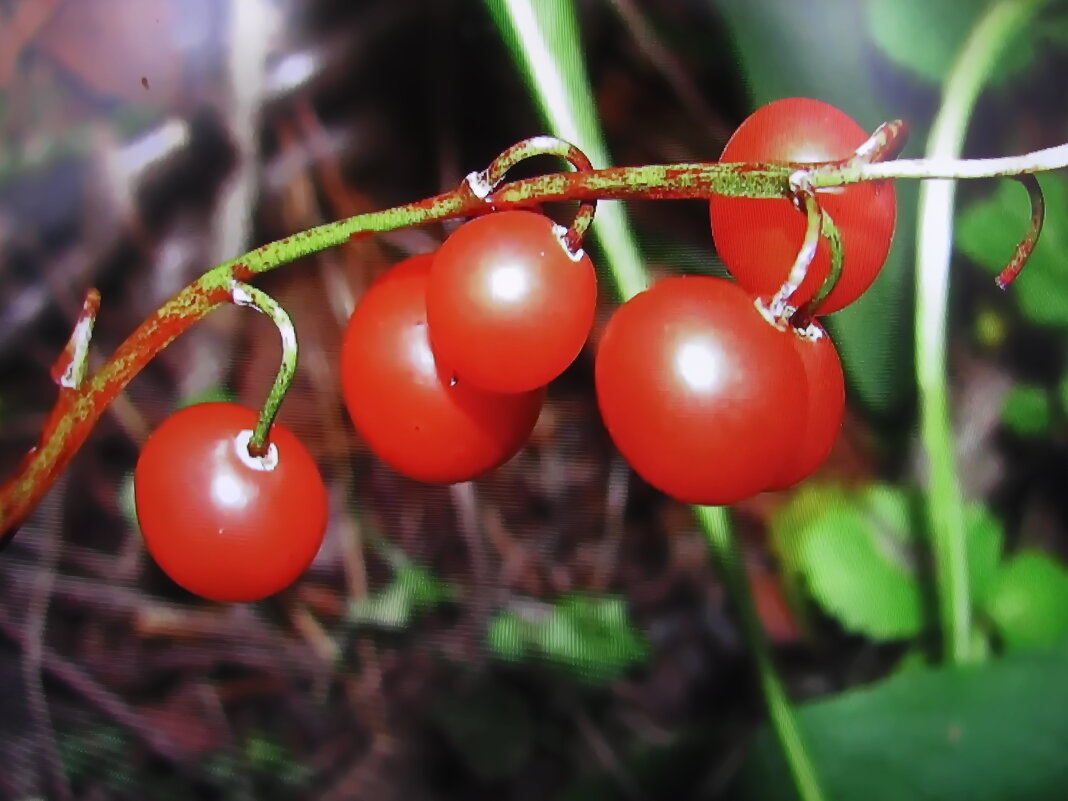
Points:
[[555, 630]]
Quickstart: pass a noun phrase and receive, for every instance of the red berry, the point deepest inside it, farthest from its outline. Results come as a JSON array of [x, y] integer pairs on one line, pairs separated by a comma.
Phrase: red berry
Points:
[[821, 388], [413, 411], [221, 523], [508, 306], [694, 387], [758, 240]]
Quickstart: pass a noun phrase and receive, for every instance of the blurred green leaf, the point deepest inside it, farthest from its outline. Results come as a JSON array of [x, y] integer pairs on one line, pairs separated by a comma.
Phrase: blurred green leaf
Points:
[[989, 229], [815, 49], [858, 559], [986, 540], [985, 732], [270, 758], [924, 37], [506, 636], [858, 552], [412, 589], [1055, 31], [490, 725], [1029, 601], [1027, 410], [97, 754], [590, 636], [1062, 394], [213, 394]]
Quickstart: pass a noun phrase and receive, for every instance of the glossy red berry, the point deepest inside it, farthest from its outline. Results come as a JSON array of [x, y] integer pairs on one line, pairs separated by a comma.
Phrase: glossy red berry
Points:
[[221, 523], [758, 240], [821, 389], [509, 307], [694, 386], [413, 411]]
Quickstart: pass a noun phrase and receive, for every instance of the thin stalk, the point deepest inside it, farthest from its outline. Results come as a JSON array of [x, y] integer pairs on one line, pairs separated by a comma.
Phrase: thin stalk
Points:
[[246, 295], [77, 410], [944, 503], [728, 556]]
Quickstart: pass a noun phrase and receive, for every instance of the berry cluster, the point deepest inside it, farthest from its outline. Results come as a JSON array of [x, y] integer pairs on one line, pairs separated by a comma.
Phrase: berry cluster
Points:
[[709, 396]]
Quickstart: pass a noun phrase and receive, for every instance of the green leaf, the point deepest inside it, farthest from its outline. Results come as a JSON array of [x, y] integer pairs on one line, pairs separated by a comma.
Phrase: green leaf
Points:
[[490, 725], [412, 589], [859, 566], [1055, 32], [856, 552], [505, 637], [270, 758], [1062, 394], [589, 636], [984, 544], [212, 394], [925, 36], [985, 732], [989, 229], [1027, 410], [1029, 601]]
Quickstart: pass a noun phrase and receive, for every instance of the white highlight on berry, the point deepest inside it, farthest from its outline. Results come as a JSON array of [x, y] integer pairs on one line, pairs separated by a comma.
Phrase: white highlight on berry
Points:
[[508, 283], [230, 491], [419, 348], [699, 364]]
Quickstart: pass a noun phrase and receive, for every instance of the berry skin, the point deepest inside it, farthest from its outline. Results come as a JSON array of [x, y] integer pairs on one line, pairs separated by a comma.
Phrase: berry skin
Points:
[[508, 306], [412, 410], [823, 383], [758, 240], [695, 389], [223, 524]]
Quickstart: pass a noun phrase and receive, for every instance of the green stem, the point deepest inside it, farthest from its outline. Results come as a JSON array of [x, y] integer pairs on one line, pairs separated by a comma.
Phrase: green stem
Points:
[[544, 39], [543, 43], [944, 503], [78, 410], [246, 295], [728, 556]]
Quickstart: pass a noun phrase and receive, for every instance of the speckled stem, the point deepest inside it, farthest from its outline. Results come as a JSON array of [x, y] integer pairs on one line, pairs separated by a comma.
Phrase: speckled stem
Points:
[[243, 294], [78, 408]]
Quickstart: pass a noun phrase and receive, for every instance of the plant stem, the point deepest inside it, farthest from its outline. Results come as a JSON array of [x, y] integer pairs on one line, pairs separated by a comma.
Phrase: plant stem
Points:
[[544, 39], [728, 556], [944, 503], [79, 409], [247, 295], [543, 44]]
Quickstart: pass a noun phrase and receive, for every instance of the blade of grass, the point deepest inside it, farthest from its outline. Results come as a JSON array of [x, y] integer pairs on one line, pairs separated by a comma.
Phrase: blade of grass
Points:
[[934, 243], [544, 41]]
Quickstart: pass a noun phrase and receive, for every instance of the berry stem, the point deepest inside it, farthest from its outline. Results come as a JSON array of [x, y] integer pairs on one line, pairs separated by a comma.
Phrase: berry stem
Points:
[[809, 205], [1027, 244], [247, 295], [566, 101], [77, 410], [828, 231], [565, 113]]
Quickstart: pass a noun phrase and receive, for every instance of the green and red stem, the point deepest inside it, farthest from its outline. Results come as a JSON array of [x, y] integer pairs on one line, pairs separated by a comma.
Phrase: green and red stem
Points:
[[81, 404]]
